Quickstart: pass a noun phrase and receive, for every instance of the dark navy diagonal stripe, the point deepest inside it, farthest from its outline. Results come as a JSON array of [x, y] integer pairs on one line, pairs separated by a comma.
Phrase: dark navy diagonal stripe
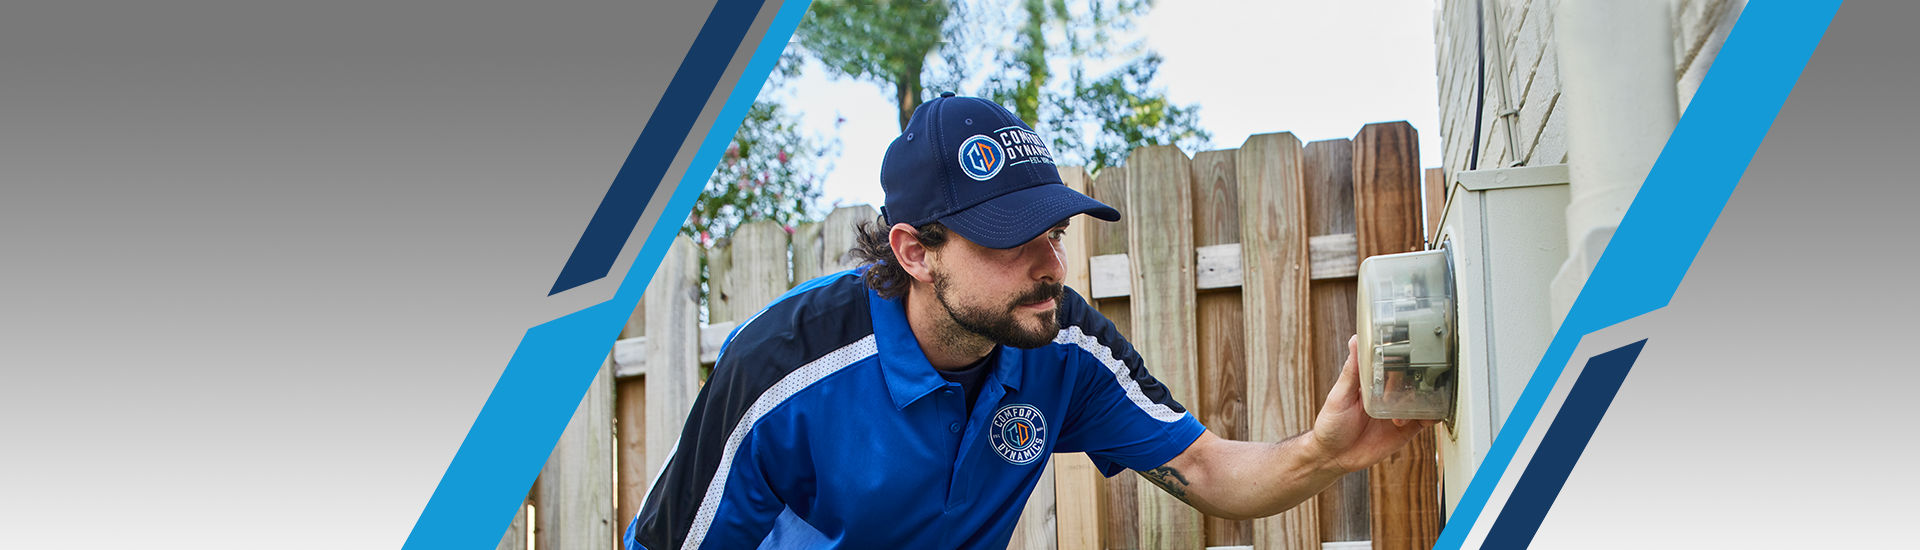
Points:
[[672, 121], [1560, 448]]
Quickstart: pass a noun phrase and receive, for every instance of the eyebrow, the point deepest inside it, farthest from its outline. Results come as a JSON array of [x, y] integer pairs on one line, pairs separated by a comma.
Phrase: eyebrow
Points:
[[1063, 223]]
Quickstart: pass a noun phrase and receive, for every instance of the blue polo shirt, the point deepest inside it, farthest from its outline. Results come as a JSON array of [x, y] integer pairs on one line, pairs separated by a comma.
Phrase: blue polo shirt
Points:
[[824, 426]]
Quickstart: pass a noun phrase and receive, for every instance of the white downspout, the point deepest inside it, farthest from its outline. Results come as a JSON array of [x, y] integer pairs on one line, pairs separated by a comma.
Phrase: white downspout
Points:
[[1617, 82]]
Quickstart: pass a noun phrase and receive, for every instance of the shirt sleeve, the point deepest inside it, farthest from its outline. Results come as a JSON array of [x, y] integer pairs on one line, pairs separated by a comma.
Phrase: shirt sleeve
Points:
[[1119, 414], [720, 488]]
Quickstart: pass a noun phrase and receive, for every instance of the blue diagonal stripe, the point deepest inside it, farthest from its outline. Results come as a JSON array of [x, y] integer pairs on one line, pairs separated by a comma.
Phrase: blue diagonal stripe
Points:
[[555, 363], [1560, 448], [1675, 209], [659, 142]]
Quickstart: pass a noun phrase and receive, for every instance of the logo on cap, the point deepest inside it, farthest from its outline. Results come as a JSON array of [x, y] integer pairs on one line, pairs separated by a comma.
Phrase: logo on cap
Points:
[[981, 158]]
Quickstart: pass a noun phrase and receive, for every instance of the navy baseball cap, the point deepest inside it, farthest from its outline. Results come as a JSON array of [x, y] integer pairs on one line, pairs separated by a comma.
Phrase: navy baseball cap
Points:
[[974, 167]]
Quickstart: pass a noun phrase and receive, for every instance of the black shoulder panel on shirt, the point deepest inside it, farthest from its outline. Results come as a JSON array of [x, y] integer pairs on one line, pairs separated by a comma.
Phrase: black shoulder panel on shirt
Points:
[[1077, 311], [788, 334]]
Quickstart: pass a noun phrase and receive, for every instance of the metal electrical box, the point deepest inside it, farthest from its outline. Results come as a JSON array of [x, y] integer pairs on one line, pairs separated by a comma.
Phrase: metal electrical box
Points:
[[1506, 231]]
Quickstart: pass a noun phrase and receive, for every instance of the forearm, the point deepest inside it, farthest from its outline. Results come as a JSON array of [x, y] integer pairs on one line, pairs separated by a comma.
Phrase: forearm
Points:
[[1239, 479]]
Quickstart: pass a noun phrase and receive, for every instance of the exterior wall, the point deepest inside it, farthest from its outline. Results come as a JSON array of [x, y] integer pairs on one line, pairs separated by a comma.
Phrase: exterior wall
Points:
[[1521, 63]]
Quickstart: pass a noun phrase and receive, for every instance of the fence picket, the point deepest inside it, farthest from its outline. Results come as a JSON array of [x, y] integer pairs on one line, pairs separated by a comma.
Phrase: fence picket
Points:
[[1077, 484], [838, 237], [1386, 197], [1328, 169], [759, 270], [1160, 193], [1119, 500], [673, 350], [576, 485], [1220, 337], [1274, 244]]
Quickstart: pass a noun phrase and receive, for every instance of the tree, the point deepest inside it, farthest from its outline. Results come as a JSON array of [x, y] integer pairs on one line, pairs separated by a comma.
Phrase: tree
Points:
[[1130, 114], [884, 41], [771, 171], [1090, 120]]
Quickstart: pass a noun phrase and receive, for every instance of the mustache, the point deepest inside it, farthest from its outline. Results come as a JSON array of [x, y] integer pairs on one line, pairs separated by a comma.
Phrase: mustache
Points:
[[1042, 291]]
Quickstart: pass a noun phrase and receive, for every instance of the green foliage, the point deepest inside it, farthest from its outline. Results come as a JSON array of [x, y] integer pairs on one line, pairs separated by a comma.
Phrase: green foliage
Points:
[[771, 171], [1012, 51], [886, 42], [1131, 114]]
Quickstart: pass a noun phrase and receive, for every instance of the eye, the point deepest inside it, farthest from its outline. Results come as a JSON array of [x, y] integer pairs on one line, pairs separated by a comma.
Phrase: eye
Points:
[[1057, 233]]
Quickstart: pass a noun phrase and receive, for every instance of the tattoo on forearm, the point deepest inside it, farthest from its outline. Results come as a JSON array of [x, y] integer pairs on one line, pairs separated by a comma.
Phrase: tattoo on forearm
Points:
[[1169, 480]]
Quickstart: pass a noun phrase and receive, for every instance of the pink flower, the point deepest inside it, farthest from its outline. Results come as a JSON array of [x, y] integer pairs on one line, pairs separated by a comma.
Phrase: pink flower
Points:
[[783, 156], [789, 229]]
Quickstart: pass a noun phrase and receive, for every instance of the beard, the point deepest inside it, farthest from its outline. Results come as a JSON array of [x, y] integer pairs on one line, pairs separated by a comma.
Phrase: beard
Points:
[[1001, 325]]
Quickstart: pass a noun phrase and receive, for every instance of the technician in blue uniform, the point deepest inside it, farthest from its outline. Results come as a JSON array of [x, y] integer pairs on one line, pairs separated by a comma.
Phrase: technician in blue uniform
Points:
[[913, 403]]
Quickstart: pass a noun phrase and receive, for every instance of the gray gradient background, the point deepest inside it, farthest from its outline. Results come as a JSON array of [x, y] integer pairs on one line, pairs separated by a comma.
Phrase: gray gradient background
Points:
[[1773, 404], [260, 264]]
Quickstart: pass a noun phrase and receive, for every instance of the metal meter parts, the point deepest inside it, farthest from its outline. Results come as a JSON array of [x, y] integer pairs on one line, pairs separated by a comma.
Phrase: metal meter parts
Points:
[[1407, 342]]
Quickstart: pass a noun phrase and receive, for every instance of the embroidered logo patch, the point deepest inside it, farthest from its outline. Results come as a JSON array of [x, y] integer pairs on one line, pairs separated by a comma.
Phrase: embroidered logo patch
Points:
[[981, 158], [1019, 433]]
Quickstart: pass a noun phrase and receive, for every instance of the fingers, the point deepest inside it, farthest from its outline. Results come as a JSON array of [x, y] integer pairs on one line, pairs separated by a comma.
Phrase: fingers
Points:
[[1346, 388]]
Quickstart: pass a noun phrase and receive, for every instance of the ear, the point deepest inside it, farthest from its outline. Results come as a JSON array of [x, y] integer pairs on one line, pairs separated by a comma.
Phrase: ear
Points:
[[908, 251]]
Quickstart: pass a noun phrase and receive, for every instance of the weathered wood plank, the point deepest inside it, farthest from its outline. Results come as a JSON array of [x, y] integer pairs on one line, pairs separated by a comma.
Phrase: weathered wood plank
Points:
[[576, 486], [636, 322], [1036, 529], [1076, 484], [719, 291], [1333, 256], [672, 348], [1433, 194], [1220, 266], [759, 270], [1274, 248], [1112, 276], [1110, 187], [1386, 196], [838, 237], [1346, 507], [712, 337], [1160, 236], [516, 535], [1219, 333], [1119, 498], [1344, 513], [629, 358], [1386, 189], [1217, 265], [630, 448], [630, 355], [808, 251]]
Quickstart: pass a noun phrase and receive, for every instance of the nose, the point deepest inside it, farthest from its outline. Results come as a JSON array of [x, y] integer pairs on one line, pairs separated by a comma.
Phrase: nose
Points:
[[1047, 260]]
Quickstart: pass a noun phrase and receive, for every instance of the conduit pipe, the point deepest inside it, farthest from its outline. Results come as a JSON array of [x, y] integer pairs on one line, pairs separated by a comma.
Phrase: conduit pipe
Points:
[[1617, 82]]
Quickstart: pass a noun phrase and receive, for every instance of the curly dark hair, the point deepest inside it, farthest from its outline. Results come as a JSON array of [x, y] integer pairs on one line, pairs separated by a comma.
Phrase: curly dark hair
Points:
[[872, 248]]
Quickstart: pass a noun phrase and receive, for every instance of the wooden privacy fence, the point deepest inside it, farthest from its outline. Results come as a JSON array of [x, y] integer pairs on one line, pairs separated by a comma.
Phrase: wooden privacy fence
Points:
[[1232, 272]]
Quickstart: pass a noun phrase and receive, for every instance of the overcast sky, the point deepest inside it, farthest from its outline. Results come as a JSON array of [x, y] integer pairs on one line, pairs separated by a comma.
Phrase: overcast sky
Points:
[[1318, 68]]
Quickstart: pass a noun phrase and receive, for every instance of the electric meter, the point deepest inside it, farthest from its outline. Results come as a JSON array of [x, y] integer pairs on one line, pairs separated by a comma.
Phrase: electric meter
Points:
[[1407, 340]]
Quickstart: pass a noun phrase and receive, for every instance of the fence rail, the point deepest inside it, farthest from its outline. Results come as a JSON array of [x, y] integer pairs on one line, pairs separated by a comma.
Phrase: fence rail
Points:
[[1231, 272]]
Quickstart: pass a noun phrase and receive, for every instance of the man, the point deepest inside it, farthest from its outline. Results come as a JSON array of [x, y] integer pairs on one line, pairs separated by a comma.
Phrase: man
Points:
[[913, 403]]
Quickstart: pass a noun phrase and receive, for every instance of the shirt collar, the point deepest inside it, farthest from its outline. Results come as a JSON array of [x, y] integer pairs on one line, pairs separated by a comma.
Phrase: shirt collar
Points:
[[908, 375], [1008, 371], [904, 365]]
